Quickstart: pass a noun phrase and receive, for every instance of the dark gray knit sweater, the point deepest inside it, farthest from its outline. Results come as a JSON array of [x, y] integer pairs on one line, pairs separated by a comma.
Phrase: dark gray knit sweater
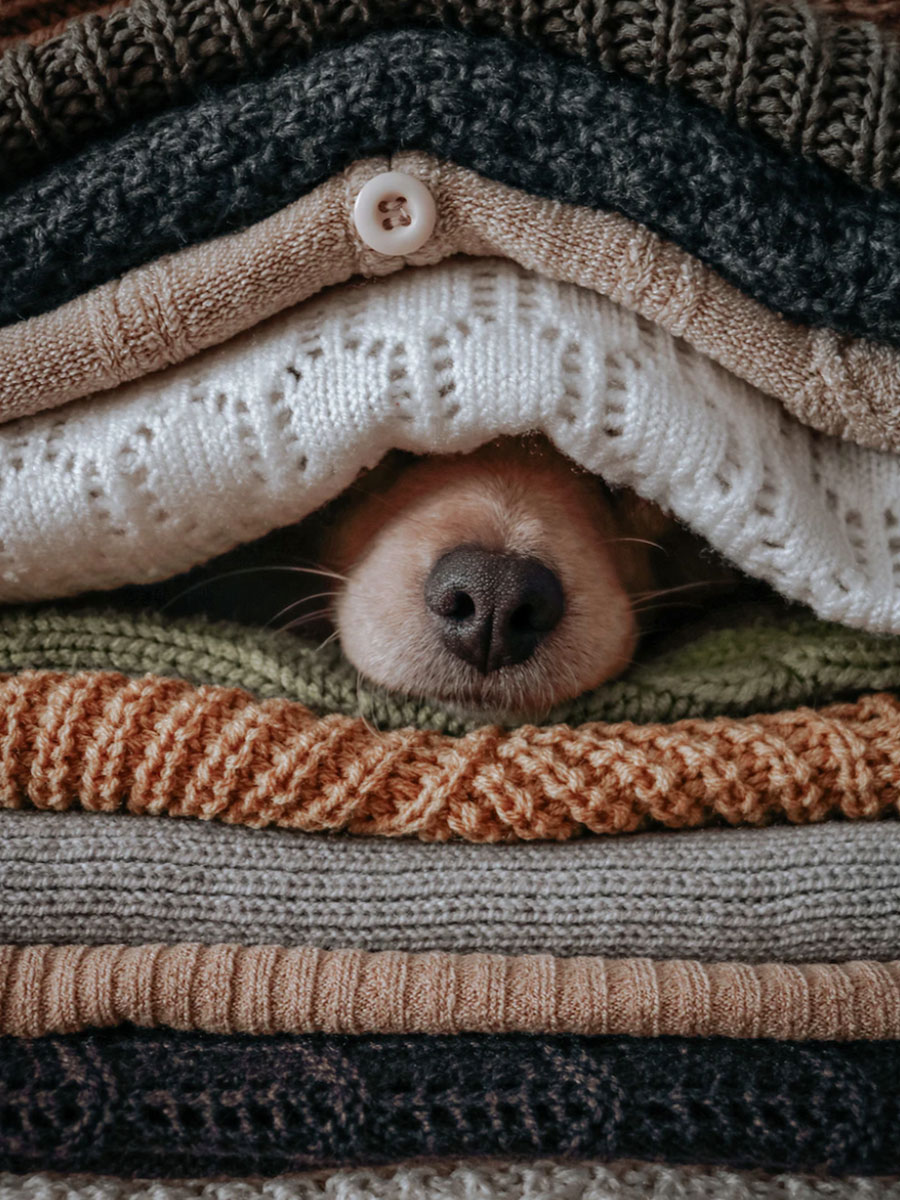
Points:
[[158, 1103], [794, 235]]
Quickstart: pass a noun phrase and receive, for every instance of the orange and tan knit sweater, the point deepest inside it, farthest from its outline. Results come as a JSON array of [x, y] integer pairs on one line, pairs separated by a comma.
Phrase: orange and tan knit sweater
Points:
[[162, 746]]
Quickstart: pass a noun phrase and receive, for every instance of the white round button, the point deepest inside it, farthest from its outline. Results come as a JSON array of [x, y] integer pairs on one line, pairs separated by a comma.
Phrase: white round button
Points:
[[395, 213]]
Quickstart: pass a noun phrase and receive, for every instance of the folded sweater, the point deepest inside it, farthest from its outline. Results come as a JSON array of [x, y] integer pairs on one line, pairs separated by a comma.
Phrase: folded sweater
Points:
[[778, 68], [534, 1180], [174, 469], [268, 990], [824, 893], [102, 742], [795, 236], [742, 660], [168, 310], [164, 1104]]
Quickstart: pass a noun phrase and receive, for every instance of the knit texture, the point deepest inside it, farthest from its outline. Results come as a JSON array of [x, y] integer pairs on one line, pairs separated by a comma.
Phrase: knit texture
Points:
[[267, 990], [168, 1104], [826, 893], [258, 433], [884, 13], [756, 660], [168, 310], [104, 743], [468, 1181], [441, 360], [19, 18], [818, 88], [795, 236]]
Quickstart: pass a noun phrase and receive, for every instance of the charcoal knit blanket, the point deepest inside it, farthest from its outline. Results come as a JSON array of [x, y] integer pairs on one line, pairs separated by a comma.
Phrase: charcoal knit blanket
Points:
[[826, 893], [792, 234], [165, 1104], [743, 660], [807, 82]]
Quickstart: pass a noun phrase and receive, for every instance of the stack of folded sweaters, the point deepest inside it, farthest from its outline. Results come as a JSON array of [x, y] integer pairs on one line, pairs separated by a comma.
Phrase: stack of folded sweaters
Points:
[[666, 233]]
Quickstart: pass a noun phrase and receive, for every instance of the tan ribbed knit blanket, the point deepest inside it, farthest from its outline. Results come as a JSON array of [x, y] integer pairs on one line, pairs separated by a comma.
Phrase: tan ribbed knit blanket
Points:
[[106, 743], [268, 989]]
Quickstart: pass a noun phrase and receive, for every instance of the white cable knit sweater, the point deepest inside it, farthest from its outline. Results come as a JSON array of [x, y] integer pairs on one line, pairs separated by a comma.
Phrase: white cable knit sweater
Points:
[[152, 478]]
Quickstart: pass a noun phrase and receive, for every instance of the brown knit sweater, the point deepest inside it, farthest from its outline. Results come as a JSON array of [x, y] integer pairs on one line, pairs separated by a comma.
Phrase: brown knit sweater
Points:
[[815, 86], [271, 990], [152, 745]]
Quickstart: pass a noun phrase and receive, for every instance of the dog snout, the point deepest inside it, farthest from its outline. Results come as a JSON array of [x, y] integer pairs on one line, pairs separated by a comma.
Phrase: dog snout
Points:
[[493, 610]]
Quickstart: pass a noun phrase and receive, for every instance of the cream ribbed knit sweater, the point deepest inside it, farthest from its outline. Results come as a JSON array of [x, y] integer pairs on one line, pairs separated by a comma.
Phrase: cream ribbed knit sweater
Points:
[[151, 479]]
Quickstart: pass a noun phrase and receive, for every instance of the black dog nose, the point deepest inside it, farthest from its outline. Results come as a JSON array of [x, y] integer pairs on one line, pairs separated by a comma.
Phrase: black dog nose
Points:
[[493, 609]]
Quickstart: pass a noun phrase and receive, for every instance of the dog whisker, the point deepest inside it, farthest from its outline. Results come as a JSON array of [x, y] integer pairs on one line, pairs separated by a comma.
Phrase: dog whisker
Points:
[[306, 619], [296, 604], [201, 583]]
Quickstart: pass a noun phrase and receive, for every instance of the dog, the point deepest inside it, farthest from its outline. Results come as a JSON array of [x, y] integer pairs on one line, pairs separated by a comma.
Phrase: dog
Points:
[[500, 582]]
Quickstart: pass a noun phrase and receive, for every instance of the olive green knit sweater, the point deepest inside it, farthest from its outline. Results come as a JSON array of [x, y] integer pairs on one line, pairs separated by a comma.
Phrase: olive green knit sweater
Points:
[[751, 660]]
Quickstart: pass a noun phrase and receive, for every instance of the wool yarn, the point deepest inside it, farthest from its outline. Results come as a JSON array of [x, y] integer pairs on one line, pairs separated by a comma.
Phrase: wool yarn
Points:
[[168, 310], [266, 990], [105, 743], [781, 69], [742, 661], [790, 233], [468, 1181], [168, 1104], [884, 13], [168, 472], [19, 18], [822, 893]]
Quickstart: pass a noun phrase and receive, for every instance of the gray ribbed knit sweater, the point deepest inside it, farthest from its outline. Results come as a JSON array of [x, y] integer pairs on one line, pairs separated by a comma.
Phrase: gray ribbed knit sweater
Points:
[[828, 892]]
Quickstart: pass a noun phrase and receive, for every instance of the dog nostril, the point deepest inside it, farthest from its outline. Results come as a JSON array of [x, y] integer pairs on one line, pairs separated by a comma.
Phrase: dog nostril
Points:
[[463, 607], [493, 609]]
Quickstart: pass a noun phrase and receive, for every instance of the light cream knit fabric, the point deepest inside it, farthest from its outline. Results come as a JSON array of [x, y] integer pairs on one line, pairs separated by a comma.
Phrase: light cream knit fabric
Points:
[[170, 309], [270, 989], [469, 1181], [174, 469]]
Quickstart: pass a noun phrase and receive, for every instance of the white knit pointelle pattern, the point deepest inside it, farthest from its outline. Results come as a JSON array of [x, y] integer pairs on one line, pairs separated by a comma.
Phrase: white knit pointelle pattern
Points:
[[150, 479]]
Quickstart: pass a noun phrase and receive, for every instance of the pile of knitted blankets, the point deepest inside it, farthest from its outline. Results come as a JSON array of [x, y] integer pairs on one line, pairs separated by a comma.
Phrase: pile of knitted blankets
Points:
[[646, 950]]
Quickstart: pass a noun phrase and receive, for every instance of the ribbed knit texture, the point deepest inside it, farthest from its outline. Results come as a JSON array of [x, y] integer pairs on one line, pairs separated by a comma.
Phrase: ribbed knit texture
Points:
[[266, 990], [792, 234], [185, 1104], [168, 310], [256, 434], [103, 742], [760, 660], [469, 1181], [824, 893], [820, 89]]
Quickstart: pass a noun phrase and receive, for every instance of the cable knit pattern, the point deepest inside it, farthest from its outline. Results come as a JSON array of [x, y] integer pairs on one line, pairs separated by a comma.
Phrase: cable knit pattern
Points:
[[105, 743], [169, 472], [756, 660], [792, 234], [818, 88], [169, 310], [267, 990], [468, 1181], [826, 893], [181, 1104]]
